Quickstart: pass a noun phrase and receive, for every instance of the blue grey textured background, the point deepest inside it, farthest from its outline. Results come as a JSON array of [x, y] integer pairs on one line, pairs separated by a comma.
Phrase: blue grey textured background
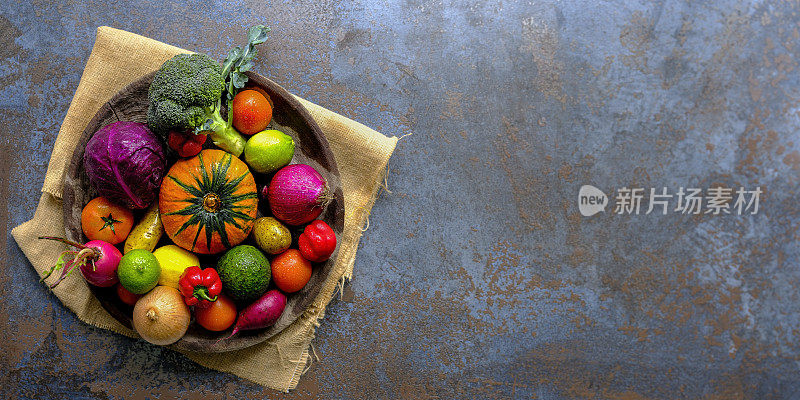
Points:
[[477, 278]]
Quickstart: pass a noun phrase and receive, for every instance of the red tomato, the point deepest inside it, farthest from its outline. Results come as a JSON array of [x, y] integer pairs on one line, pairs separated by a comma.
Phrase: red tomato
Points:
[[251, 112], [259, 89], [290, 271], [218, 316], [104, 220], [126, 296]]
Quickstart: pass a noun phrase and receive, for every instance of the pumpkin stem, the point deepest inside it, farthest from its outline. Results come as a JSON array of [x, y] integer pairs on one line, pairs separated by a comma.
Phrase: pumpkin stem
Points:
[[211, 202]]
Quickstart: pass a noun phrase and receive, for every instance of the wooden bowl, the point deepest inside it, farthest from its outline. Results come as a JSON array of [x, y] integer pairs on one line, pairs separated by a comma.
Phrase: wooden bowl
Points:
[[311, 148]]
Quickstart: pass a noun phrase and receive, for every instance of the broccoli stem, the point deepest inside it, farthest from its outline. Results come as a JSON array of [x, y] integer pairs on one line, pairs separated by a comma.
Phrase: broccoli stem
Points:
[[223, 134]]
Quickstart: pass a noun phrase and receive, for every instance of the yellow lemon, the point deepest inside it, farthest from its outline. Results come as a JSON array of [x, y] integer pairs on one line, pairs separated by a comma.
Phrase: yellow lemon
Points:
[[173, 261]]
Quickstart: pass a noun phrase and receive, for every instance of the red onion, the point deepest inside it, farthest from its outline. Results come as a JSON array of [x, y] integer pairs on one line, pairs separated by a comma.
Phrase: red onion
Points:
[[298, 194]]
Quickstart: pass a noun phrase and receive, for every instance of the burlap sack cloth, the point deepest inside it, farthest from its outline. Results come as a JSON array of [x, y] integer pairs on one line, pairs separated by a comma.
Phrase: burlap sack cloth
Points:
[[118, 58]]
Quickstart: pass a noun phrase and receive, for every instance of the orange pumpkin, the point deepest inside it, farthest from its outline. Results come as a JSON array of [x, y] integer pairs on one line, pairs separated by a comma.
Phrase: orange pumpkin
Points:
[[208, 203]]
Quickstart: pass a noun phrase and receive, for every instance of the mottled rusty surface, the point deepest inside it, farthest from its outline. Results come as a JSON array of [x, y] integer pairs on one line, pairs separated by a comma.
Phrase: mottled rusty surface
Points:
[[477, 278]]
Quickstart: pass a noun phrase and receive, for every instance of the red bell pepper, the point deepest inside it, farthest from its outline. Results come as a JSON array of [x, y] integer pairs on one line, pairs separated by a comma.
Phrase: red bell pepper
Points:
[[200, 287], [186, 144], [317, 242]]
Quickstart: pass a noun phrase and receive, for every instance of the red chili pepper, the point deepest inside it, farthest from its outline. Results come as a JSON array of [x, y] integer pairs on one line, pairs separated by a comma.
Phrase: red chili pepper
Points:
[[317, 242], [186, 144], [200, 287]]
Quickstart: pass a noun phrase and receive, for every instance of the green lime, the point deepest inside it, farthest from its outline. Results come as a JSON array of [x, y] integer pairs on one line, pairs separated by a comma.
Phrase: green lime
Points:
[[139, 271], [271, 236], [269, 150]]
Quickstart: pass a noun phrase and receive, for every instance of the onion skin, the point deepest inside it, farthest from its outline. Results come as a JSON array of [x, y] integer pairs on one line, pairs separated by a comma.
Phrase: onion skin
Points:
[[297, 194], [161, 317], [103, 272]]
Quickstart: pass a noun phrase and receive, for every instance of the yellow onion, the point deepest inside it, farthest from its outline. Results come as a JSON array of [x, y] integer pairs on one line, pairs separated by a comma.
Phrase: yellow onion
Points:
[[161, 317]]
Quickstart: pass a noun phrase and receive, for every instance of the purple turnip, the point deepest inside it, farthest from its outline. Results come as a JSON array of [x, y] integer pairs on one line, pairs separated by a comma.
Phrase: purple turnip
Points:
[[96, 259], [262, 313]]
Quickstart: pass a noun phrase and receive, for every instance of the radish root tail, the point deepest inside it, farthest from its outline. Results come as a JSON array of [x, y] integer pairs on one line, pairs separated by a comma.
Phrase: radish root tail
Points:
[[235, 331]]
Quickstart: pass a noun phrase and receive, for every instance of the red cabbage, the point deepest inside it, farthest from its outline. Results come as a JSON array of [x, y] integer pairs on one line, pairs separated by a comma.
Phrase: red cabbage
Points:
[[125, 163]]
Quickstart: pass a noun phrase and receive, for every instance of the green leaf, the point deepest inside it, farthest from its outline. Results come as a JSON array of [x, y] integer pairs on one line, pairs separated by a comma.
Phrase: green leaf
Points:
[[234, 54], [239, 60], [63, 259], [205, 127], [257, 34], [230, 62], [249, 55], [238, 79]]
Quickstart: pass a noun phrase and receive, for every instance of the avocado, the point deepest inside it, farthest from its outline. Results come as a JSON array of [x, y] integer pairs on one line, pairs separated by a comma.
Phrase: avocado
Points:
[[244, 272]]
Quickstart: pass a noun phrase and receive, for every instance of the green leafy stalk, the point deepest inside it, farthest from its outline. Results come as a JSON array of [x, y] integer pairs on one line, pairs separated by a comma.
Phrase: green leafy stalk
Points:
[[222, 132], [234, 67], [240, 61]]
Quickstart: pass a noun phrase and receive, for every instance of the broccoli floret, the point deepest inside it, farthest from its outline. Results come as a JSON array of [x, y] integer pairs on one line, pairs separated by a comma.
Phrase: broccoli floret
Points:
[[186, 94]]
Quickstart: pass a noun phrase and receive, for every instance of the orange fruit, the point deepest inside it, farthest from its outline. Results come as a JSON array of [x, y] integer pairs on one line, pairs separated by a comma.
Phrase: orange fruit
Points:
[[251, 112], [218, 316], [103, 220], [290, 271]]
